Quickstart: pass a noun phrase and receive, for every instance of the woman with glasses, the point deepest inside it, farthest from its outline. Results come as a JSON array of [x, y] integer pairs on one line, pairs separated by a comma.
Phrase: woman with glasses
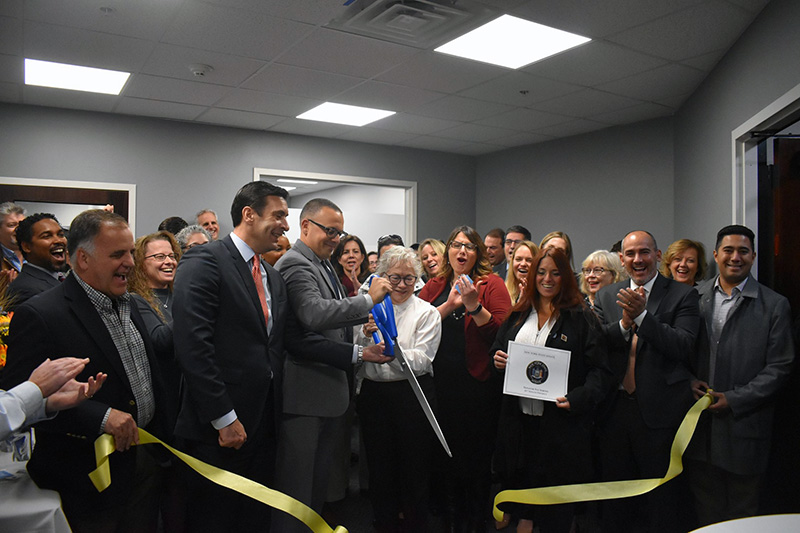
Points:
[[545, 443], [350, 262], [600, 268], [397, 436], [519, 268], [473, 302]]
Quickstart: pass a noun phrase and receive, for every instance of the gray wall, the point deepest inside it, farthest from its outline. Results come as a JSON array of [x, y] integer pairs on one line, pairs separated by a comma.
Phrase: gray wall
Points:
[[595, 187], [180, 167], [759, 68]]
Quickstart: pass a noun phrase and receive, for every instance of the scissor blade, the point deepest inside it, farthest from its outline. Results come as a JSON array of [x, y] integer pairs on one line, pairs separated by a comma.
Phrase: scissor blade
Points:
[[423, 401]]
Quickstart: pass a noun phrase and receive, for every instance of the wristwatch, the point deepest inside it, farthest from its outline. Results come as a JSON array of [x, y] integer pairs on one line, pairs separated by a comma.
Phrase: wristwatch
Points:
[[476, 310], [360, 355]]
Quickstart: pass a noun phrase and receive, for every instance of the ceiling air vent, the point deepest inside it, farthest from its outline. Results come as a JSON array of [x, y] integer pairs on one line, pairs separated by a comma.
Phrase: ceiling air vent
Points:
[[419, 23]]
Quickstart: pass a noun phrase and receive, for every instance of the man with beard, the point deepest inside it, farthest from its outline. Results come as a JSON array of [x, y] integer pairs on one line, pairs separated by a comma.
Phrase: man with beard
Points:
[[44, 246]]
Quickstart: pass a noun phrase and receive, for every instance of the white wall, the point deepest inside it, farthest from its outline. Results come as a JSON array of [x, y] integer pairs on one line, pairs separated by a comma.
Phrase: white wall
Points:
[[180, 168], [595, 187]]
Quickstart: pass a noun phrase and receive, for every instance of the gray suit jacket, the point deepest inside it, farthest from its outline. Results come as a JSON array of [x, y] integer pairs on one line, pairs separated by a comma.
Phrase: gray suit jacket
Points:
[[754, 358], [318, 386]]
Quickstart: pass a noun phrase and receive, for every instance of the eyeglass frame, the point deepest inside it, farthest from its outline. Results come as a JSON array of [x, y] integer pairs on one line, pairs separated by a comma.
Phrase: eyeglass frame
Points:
[[172, 256], [332, 233], [602, 270], [458, 245], [404, 279]]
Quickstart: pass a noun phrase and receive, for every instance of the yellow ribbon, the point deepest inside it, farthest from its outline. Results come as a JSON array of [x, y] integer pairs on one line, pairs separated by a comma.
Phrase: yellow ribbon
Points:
[[101, 477], [611, 489]]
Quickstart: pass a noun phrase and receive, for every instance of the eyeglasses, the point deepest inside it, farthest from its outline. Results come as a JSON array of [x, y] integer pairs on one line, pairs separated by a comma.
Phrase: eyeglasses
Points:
[[332, 233], [161, 257], [598, 271], [394, 279], [512, 241], [458, 245]]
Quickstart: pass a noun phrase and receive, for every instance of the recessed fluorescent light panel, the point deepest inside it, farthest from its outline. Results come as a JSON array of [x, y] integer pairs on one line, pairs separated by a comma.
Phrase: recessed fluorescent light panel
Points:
[[73, 77], [511, 42], [345, 114]]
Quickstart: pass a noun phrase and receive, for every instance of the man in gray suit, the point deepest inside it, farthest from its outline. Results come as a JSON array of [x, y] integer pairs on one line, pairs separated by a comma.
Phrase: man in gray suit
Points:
[[744, 355], [316, 391]]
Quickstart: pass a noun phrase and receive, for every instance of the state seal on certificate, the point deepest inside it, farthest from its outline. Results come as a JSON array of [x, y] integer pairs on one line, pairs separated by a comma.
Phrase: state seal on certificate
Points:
[[536, 372]]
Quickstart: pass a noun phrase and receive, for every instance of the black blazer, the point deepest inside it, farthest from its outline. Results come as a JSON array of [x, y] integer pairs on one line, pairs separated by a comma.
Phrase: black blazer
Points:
[[564, 437], [30, 282], [227, 358], [663, 353], [63, 322]]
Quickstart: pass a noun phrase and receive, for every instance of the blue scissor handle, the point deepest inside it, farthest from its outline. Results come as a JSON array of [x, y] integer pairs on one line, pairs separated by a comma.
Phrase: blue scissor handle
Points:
[[385, 325]]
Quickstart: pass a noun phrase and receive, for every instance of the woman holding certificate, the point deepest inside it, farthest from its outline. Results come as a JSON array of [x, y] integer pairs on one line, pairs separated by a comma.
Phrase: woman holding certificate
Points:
[[473, 302], [545, 427]]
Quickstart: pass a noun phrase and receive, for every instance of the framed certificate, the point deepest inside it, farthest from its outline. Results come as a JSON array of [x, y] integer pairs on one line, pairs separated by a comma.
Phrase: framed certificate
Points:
[[536, 372]]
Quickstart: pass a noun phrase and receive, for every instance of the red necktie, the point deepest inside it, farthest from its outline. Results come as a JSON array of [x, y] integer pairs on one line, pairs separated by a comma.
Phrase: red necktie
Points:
[[262, 296]]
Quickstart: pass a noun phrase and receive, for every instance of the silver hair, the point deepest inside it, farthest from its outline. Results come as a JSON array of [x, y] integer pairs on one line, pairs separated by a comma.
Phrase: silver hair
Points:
[[396, 255], [204, 211], [183, 235], [10, 208]]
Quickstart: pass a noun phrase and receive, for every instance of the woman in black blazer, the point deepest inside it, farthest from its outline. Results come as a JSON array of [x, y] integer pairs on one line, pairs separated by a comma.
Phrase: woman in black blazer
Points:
[[550, 443]]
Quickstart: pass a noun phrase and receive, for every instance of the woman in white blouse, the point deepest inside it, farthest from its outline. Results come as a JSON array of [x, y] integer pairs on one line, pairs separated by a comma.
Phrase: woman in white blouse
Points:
[[397, 436]]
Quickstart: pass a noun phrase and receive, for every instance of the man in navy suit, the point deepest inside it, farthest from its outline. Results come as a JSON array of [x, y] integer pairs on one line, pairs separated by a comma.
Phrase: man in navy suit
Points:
[[44, 246], [90, 315], [651, 323]]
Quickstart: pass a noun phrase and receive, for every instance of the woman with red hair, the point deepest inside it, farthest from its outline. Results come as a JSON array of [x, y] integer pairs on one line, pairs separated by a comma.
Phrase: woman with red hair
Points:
[[549, 443]]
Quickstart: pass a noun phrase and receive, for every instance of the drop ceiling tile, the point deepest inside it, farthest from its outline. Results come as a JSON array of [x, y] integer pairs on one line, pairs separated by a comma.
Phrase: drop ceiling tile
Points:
[[286, 79], [705, 62], [144, 19], [10, 36], [11, 69], [524, 120], [519, 89], [233, 31], [477, 149], [461, 109], [173, 62], [439, 144], [522, 139], [575, 127], [440, 72], [343, 53], [153, 108], [10, 92], [636, 113], [87, 48], [674, 102], [593, 63], [584, 103], [259, 102], [375, 135], [239, 119], [688, 33], [473, 132], [596, 19], [408, 123], [311, 127], [656, 84], [308, 11], [45, 96], [172, 90], [386, 96]]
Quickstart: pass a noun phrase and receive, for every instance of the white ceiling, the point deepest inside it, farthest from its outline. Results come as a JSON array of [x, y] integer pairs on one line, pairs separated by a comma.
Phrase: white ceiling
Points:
[[274, 59]]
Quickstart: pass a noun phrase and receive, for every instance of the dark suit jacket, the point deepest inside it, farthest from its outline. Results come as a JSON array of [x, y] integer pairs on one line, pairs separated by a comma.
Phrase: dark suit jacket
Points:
[[754, 359], [221, 342], [59, 323], [666, 341], [564, 437], [30, 282]]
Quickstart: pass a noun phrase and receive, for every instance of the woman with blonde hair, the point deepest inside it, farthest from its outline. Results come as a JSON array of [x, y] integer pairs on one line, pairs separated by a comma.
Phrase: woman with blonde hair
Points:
[[600, 268], [520, 266], [431, 255], [685, 261]]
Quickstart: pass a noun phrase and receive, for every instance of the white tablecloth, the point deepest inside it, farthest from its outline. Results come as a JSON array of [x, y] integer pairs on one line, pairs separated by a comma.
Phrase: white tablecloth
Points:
[[777, 523], [25, 508]]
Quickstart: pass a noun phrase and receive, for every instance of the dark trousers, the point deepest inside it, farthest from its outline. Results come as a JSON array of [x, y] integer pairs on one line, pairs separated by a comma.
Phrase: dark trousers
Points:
[[631, 450], [720, 495], [398, 439]]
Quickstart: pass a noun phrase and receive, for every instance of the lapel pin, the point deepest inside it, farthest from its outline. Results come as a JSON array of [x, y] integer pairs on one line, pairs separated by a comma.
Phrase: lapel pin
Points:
[[563, 338]]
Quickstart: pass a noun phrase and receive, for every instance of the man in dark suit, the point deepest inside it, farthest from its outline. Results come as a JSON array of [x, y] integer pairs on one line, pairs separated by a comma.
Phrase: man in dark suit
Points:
[[317, 391], [651, 323], [44, 246], [745, 355], [90, 315], [231, 317]]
